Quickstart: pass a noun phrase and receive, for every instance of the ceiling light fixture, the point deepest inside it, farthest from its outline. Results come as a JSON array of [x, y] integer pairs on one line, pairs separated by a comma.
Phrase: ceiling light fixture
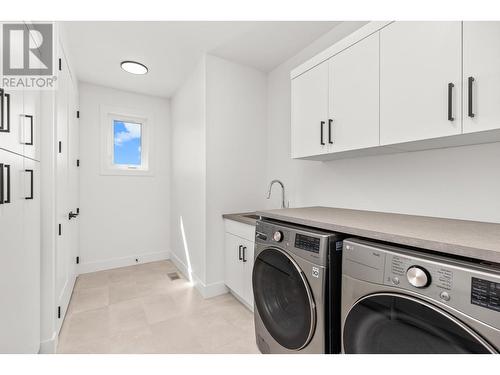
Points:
[[134, 67]]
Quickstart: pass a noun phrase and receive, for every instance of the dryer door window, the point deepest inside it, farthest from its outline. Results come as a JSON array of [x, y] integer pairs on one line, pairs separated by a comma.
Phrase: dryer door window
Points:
[[283, 299], [397, 324]]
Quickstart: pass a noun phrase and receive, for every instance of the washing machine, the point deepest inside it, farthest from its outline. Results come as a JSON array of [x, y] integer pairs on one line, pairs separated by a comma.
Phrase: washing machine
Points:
[[296, 286], [397, 300]]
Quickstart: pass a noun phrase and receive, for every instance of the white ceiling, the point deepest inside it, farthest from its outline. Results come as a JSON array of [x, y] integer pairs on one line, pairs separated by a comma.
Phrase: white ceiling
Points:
[[172, 49]]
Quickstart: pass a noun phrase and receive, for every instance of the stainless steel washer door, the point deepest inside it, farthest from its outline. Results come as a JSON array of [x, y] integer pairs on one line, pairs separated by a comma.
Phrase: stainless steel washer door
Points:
[[389, 323], [283, 299]]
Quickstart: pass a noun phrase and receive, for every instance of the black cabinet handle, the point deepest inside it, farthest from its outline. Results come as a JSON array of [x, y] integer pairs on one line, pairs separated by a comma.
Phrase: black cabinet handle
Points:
[[30, 143], [470, 82], [244, 253], [1, 183], [450, 102], [30, 171], [3, 168], [330, 121], [322, 123], [4, 111], [239, 252]]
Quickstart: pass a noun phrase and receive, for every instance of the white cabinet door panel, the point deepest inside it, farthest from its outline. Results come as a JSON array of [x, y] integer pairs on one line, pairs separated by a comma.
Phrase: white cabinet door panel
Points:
[[20, 266], [417, 62], [481, 54], [233, 263], [11, 127], [354, 96], [310, 112]]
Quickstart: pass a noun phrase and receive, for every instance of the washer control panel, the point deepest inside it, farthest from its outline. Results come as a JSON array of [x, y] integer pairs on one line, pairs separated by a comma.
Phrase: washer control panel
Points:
[[485, 293], [307, 243]]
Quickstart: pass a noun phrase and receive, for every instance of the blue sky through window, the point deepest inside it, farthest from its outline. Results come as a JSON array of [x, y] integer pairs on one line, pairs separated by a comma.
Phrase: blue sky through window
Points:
[[127, 143]]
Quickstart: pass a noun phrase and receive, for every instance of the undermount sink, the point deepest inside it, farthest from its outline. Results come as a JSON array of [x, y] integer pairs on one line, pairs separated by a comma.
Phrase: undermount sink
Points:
[[252, 216]]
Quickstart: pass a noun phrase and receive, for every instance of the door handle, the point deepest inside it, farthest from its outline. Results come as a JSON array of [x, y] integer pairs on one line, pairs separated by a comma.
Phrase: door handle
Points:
[[450, 100], [30, 117], [330, 121], [72, 215], [1, 183], [470, 110], [3, 168], [244, 253], [239, 252], [4, 111], [322, 123], [30, 171]]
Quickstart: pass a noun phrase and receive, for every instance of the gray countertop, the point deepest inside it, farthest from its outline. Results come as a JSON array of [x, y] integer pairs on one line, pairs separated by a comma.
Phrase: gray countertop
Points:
[[249, 218], [470, 239]]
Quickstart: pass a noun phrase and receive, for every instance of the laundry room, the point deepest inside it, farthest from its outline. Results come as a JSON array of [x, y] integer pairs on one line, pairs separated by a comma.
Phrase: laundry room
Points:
[[204, 186]]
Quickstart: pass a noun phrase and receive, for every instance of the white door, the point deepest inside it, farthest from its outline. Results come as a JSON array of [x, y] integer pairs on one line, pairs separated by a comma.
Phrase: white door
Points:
[[19, 268], [234, 263], [354, 97], [481, 78], [420, 81], [248, 254], [73, 178], [65, 253], [310, 112]]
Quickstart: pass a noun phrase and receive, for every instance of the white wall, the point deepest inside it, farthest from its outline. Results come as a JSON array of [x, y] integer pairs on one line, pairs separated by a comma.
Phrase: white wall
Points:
[[122, 217], [458, 182], [188, 174], [218, 162], [236, 150]]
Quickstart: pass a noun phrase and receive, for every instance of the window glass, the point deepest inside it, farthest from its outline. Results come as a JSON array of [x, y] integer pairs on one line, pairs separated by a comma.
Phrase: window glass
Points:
[[127, 143]]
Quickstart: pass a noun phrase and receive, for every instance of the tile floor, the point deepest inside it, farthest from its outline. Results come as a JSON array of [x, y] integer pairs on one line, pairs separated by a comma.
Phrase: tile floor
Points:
[[138, 309]]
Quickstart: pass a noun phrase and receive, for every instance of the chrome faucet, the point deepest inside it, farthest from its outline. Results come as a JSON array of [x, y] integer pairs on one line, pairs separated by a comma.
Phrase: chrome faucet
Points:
[[283, 205]]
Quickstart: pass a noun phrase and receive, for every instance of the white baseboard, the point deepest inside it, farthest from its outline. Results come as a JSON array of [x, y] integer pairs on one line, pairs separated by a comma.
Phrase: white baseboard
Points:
[[121, 262], [49, 346], [206, 290]]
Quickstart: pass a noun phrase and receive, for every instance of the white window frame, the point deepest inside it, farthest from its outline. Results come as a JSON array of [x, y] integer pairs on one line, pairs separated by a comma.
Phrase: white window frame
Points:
[[108, 116]]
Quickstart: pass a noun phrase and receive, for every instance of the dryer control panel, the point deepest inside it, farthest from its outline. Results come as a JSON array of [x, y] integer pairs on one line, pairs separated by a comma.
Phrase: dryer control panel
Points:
[[471, 288]]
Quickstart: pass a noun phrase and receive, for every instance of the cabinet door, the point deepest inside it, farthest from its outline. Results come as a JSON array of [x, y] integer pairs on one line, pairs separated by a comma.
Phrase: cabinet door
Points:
[[12, 120], [248, 255], [354, 97], [234, 263], [31, 246], [310, 112], [19, 269], [481, 54], [420, 81]]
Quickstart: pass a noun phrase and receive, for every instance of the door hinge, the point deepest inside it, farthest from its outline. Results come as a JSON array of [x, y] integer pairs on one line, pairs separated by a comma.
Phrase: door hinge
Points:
[[60, 64], [77, 260], [60, 146], [60, 229], [77, 114], [77, 162], [58, 312]]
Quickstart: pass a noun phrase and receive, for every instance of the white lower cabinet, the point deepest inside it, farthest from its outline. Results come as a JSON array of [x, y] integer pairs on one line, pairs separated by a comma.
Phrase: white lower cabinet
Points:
[[239, 254], [20, 254]]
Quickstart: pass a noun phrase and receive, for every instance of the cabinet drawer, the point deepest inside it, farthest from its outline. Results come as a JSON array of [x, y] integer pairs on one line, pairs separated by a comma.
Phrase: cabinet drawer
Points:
[[241, 230]]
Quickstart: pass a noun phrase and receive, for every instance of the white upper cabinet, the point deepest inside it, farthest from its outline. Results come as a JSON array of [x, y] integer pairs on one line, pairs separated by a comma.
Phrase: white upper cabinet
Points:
[[353, 121], [420, 81], [310, 112], [481, 77]]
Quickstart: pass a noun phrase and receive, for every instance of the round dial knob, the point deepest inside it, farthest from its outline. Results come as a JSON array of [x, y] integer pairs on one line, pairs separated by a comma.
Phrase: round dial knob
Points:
[[278, 236], [418, 277]]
